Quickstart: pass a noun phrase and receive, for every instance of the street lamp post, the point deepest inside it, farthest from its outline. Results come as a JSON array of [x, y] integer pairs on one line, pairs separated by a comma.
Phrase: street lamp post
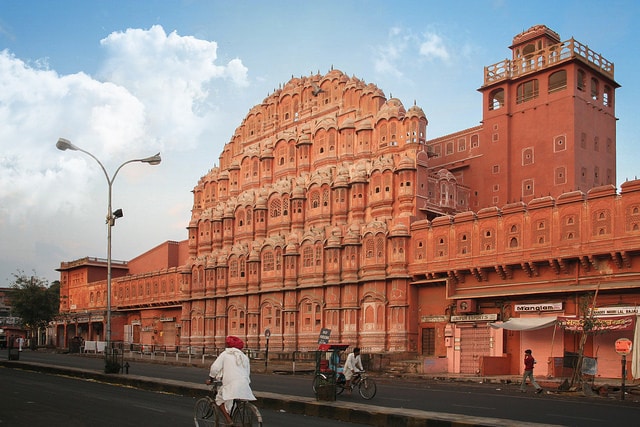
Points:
[[64, 144]]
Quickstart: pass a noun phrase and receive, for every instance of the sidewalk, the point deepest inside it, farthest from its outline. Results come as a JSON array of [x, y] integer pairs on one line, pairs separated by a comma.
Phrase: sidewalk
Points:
[[556, 384]]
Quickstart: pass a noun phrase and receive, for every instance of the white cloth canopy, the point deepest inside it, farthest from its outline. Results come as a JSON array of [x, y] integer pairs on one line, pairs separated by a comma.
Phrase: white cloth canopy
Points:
[[525, 323]]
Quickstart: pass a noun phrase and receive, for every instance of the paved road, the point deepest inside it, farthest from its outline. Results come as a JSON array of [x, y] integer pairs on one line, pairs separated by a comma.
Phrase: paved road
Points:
[[480, 400], [26, 400]]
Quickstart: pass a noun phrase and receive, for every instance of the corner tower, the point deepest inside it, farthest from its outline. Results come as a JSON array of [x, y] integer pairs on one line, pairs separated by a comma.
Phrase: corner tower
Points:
[[549, 122]]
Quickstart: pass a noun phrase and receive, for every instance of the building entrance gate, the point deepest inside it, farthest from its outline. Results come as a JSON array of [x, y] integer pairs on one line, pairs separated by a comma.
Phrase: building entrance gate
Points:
[[474, 342]]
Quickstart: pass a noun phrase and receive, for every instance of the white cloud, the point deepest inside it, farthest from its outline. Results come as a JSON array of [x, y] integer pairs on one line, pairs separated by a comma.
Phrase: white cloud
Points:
[[153, 82], [433, 47], [155, 92], [387, 58], [171, 75], [404, 49]]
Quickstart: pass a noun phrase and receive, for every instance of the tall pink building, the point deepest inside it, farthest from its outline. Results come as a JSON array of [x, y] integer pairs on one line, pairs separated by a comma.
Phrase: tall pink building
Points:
[[330, 209]]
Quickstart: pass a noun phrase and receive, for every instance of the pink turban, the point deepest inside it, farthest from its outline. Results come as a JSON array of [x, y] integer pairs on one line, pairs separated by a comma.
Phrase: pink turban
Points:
[[235, 342]]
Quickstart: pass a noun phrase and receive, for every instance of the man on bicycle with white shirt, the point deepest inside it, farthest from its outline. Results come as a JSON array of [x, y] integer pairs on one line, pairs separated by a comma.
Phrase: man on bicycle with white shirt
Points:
[[352, 365], [233, 367]]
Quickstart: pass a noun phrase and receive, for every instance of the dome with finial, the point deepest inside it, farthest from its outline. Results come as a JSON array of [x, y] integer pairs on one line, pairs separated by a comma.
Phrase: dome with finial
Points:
[[392, 108], [415, 111]]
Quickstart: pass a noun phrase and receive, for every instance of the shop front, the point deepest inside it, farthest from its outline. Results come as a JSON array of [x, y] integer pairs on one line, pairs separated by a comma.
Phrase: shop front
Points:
[[471, 343], [555, 339]]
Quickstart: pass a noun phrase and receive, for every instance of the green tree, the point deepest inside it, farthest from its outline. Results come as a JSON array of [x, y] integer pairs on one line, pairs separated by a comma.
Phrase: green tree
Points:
[[34, 301]]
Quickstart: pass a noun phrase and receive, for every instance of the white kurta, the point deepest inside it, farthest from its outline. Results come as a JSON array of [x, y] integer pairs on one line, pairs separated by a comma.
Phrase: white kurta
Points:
[[351, 365], [234, 368]]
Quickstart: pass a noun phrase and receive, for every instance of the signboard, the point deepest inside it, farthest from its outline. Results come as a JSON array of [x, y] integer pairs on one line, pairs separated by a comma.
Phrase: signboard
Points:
[[475, 318], [435, 318], [624, 346], [267, 333], [614, 323], [324, 336], [608, 311], [553, 306]]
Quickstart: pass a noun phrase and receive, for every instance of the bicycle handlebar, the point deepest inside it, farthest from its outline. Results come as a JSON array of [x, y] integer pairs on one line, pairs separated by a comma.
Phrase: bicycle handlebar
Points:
[[213, 382]]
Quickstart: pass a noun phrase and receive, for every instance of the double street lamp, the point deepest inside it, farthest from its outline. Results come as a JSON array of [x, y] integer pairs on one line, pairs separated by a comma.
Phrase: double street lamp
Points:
[[64, 144]]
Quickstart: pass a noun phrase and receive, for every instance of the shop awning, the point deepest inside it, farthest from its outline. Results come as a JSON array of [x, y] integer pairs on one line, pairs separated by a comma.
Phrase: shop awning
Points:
[[525, 323]]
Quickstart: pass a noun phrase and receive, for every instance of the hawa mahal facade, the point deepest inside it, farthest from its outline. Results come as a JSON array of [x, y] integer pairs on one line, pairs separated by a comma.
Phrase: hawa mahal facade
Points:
[[330, 209]]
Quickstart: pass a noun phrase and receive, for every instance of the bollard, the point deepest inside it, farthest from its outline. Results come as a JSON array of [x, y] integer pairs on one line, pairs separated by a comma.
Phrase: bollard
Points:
[[126, 367]]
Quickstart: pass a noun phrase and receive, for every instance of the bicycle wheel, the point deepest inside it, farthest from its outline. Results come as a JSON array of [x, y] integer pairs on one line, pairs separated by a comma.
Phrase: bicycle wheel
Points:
[[205, 413], [246, 415], [367, 388], [316, 381], [341, 382]]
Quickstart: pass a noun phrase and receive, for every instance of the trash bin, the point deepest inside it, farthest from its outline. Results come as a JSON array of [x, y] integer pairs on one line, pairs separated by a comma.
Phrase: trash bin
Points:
[[113, 360], [14, 354], [326, 391], [74, 345]]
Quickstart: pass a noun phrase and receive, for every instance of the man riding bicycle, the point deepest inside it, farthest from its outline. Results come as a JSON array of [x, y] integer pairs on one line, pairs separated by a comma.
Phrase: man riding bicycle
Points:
[[352, 365], [233, 367]]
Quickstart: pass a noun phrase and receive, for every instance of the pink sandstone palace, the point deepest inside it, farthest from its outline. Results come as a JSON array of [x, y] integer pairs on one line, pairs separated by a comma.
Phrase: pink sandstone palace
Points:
[[330, 209]]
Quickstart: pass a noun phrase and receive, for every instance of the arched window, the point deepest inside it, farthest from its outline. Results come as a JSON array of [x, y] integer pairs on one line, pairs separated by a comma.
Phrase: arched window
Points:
[[582, 80], [307, 256], [325, 198], [496, 99], [527, 91], [267, 261], [240, 218], [380, 247], [558, 81], [606, 96], [315, 200], [278, 259], [310, 316], [369, 247], [275, 209], [233, 268], [594, 89]]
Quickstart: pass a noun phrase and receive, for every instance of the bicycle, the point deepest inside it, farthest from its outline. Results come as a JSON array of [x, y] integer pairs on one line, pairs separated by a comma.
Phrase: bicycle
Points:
[[207, 414], [366, 386]]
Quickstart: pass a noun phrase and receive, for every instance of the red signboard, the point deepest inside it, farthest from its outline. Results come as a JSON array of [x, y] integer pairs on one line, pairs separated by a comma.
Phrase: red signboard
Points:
[[613, 323], [623, 346]]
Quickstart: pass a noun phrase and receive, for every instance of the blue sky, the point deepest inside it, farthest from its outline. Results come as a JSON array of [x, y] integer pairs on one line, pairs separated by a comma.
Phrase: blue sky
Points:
[[126, 79]]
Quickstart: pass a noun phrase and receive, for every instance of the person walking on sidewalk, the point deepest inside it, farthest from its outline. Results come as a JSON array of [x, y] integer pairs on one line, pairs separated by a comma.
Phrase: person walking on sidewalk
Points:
[[529, 361]]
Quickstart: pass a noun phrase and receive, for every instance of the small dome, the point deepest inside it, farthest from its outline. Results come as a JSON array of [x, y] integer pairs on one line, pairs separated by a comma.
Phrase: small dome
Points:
[[364, 125], [392, 108], [415, 111], [406, 163], [348, 124]]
